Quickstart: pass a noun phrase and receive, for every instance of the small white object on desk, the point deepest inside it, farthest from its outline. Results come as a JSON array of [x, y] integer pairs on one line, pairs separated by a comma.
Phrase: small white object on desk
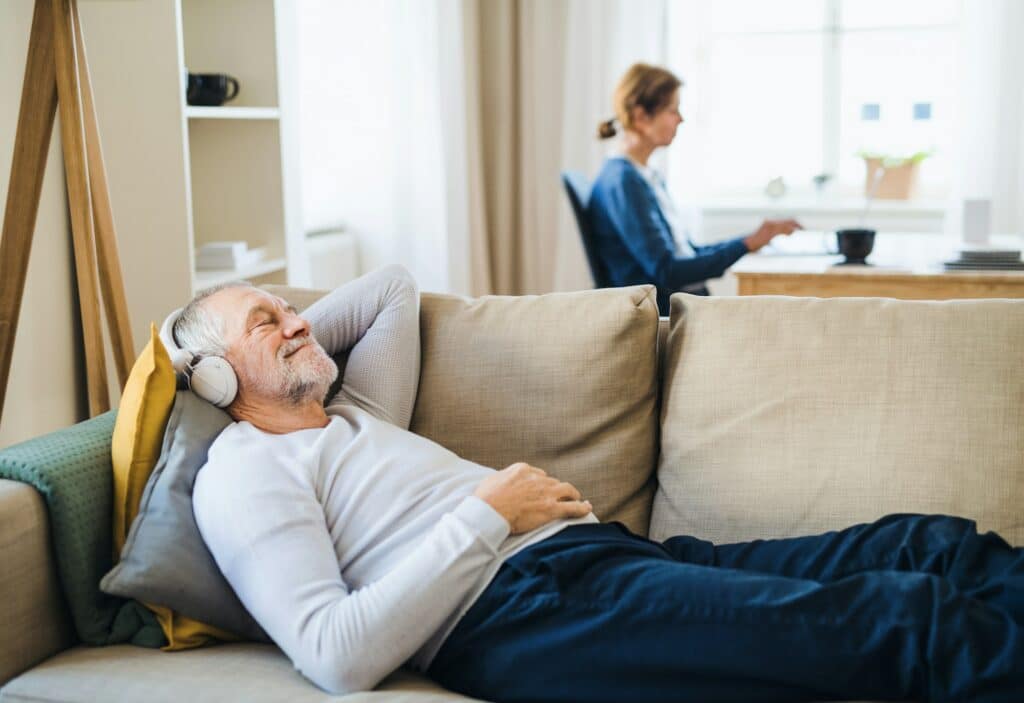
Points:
[[333, 257], [976, 220]]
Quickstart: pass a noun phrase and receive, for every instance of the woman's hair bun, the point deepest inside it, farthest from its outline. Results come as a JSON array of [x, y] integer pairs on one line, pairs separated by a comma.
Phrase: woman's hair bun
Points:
[[606, 130]]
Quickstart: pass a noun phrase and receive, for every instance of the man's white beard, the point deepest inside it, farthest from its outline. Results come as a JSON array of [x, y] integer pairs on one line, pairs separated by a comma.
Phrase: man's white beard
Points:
[[300, 378]]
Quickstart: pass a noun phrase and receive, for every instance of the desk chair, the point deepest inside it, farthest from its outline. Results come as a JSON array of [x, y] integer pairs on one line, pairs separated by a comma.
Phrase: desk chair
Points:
[[578, 189]]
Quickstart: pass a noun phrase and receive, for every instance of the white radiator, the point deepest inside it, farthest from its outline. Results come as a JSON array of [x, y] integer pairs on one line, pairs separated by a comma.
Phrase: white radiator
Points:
[[333, 258]]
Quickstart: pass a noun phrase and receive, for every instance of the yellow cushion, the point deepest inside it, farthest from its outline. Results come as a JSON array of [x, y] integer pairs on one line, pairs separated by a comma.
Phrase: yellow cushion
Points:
[[139, 431], [185, 633], [146, 404]]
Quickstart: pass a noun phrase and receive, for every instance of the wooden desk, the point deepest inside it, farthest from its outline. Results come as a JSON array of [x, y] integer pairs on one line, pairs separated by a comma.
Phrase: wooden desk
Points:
[[903, 265]]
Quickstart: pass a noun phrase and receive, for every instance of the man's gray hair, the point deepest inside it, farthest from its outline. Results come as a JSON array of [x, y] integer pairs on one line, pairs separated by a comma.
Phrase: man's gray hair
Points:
[[200, 331]]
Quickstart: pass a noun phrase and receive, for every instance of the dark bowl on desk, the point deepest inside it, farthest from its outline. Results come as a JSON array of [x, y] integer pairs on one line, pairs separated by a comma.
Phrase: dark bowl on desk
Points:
[[855, 244]]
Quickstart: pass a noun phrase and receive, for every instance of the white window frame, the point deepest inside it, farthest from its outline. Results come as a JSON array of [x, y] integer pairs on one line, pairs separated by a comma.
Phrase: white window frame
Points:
[[832, 32]]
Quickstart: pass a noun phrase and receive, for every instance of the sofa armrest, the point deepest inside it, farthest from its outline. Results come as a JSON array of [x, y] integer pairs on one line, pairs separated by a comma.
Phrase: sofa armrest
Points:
[[34, 618]]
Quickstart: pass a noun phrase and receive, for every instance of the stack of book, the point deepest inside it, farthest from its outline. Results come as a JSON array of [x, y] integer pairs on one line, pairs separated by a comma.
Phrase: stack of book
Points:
[[986, 258], [231, 256]]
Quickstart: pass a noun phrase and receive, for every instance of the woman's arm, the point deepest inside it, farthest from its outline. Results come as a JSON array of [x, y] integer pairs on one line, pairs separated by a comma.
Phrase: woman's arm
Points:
[[634, 212], [376, 317], [704, 249]]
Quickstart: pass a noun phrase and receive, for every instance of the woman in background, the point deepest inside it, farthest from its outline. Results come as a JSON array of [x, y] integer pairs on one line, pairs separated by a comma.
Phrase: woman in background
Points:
[[640, 238]]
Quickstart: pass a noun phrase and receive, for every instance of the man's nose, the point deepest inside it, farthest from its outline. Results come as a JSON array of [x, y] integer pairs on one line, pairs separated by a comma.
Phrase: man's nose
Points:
[[295, 326]]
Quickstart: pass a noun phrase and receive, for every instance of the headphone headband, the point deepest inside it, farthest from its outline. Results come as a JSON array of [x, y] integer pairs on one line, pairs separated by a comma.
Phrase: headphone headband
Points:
[[180, 358], [211, 378]]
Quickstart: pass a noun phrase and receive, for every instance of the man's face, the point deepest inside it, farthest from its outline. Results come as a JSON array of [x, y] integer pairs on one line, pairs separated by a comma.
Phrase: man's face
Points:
[[271, 349]]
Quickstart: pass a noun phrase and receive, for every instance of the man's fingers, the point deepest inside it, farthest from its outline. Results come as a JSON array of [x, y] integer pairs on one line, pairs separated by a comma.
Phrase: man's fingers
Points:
[[523, 467], [567, 491], [574, 508]]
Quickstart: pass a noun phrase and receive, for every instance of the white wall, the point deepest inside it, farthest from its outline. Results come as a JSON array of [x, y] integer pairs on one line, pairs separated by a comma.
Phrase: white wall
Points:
[[41, 393], [132, 48], [991, 149], [133, 59]]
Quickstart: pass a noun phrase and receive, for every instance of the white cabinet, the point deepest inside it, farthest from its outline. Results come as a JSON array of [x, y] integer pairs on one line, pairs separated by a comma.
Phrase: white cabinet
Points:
[[241, 157]]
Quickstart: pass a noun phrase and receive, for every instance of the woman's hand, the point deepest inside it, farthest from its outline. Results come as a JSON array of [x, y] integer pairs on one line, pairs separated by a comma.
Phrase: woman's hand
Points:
[[768, 230]]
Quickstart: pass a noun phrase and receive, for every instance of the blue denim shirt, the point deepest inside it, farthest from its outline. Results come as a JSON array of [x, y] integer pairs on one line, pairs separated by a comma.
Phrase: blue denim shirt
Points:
[[635, 242]]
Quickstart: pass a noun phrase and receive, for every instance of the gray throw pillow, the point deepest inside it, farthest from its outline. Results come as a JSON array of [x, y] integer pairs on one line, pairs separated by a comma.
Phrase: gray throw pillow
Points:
[[164, 560]]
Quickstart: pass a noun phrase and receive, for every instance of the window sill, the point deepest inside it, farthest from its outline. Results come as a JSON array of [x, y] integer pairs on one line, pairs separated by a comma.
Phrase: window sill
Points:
[[760, 205]]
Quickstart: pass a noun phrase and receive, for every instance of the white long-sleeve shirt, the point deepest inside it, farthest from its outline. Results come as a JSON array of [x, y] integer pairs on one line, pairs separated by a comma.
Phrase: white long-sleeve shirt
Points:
[[356, 546]]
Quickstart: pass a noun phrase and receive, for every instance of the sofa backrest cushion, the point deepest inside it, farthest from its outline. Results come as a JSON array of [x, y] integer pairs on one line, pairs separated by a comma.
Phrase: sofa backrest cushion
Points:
[[563, 381], [789, 416]]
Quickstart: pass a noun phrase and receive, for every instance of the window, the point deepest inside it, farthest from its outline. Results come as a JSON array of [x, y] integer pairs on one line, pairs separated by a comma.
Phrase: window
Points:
[[796, 88]]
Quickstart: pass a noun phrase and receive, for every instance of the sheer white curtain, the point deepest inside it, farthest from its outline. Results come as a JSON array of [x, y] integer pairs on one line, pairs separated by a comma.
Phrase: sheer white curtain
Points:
[[603, 38], [990, 133], [390, 134]]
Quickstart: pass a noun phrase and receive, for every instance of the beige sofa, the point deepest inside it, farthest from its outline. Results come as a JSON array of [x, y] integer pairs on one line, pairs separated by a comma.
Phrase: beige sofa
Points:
[[751, 417]]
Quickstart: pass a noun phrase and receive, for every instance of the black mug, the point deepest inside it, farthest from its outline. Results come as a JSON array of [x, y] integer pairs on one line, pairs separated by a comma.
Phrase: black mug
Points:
[[855, 244], [210, 89]]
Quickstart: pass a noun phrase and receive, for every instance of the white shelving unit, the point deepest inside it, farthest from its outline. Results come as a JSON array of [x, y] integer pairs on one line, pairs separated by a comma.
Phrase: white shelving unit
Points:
[[194, 112], [205, 279], [242, 179]]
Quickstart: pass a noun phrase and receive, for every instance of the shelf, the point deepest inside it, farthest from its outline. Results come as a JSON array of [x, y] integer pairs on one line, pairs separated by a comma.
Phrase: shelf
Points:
[[232, 113], [205, 279]]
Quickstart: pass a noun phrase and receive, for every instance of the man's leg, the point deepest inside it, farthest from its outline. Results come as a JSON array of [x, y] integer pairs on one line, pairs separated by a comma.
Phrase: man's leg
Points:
[[598, 616], [980, 566]]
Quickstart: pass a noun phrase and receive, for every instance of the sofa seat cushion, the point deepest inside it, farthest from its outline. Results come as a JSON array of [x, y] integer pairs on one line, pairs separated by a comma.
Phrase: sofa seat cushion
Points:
[[791, 416], [230, 672]]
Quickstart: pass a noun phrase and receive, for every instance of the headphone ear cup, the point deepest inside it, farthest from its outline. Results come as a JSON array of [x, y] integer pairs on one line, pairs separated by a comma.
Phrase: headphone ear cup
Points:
[[213, 380]]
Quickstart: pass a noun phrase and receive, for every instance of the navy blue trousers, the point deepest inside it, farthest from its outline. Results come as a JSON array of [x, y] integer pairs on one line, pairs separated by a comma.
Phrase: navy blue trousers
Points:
[[910, 607]]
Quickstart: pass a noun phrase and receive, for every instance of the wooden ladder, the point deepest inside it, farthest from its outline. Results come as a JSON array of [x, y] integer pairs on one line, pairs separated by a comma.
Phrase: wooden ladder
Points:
[[57, 74]]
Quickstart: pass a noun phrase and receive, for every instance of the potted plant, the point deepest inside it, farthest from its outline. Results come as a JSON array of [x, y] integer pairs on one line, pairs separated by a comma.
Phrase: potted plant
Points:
[[889, 176]]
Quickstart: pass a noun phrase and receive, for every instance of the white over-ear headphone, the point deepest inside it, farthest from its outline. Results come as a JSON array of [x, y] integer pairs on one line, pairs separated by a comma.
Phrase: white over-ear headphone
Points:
[[211, 377]]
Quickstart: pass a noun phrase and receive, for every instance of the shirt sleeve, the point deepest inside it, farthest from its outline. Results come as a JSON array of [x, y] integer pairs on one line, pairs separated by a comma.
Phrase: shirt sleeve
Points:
[[376, 319], [635, 214], [718, 246], [273, 546]]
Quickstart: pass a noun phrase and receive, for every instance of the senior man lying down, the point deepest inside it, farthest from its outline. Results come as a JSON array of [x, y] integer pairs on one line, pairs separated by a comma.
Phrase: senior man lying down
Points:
[[360, 546]]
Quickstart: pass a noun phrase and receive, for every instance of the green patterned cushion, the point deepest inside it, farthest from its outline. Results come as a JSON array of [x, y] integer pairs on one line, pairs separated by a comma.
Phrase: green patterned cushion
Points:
[[71, 469]]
